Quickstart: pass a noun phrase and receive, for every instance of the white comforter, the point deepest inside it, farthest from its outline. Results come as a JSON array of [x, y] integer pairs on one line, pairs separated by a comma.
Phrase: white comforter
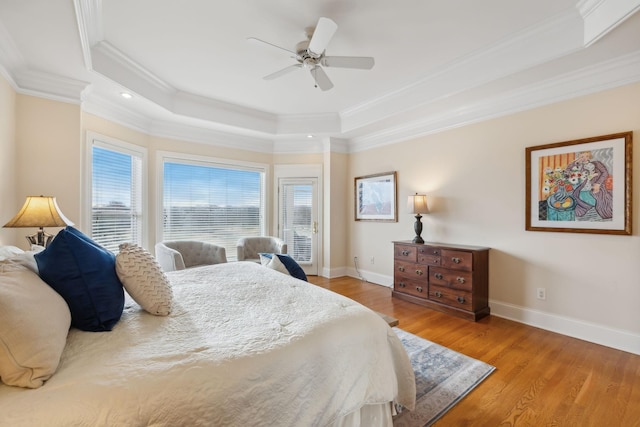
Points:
[[245, 346]]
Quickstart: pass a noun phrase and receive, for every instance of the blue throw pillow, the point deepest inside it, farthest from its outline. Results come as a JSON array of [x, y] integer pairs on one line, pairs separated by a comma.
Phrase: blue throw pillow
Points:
[[292, 266], [84, 274]]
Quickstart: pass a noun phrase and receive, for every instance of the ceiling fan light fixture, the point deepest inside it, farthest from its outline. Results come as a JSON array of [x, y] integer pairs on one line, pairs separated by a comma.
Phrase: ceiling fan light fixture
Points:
[[310, 55]]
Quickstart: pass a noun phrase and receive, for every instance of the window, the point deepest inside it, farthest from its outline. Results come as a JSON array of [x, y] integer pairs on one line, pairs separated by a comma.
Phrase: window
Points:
[[116, 193], [212, 201]]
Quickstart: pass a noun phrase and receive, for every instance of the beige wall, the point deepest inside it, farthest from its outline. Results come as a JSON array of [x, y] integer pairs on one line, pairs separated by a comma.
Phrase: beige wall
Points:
[[46, 156], [335, 220], [475, 182], [8, 197]]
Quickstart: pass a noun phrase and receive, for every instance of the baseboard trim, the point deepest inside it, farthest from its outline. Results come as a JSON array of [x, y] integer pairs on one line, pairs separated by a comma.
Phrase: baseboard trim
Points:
[[580, 329], [587, 331], [371, 277]]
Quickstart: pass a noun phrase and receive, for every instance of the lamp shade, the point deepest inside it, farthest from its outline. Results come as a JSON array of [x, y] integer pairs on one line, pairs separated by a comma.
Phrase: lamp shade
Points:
[[39, 211], [417, 204]]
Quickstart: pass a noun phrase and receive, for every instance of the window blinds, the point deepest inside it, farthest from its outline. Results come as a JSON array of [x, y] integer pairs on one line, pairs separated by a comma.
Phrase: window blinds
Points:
[[116, 208], [212, 203]]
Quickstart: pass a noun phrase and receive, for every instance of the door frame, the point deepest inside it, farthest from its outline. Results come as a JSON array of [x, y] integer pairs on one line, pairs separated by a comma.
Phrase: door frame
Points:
[[302, 171]]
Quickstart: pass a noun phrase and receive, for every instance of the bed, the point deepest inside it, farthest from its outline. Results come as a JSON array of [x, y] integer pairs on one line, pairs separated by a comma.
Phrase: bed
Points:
[[244, 345]]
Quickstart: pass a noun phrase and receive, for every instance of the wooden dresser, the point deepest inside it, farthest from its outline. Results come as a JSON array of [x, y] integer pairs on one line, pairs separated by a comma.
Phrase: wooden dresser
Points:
[[450, 278]]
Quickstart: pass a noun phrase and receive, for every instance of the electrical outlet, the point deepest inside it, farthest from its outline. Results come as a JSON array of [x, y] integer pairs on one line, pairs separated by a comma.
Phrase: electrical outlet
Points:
[[542, 293], [373, 260]]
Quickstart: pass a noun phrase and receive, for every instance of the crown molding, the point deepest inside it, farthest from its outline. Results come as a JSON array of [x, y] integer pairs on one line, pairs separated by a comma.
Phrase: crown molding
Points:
[[601, 16], [605, 75], [523, 50], [101, 107], [114, 112], [201, 135], [90, 28], [51, 86]]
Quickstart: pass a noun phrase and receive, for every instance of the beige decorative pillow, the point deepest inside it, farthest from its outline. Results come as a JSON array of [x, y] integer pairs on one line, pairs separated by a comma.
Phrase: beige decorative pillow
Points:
[[34, 323], [143, 279]]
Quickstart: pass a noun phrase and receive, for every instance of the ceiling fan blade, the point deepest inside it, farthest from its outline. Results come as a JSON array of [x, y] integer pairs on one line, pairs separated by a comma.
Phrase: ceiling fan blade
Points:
[[325, 29], [321, 78], [282, 72], [360, 62], [255, 40]]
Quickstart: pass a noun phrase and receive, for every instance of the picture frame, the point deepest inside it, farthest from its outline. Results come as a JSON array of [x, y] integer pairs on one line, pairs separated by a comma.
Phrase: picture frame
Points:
[[580, 186], [375, 197]]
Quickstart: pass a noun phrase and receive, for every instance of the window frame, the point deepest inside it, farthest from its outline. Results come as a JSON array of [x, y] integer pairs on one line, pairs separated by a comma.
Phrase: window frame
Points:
[[108, 143], [209, 161]]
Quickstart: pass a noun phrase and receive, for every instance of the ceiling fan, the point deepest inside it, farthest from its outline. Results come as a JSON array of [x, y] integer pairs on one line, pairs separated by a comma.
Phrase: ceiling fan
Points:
[[310, 55]]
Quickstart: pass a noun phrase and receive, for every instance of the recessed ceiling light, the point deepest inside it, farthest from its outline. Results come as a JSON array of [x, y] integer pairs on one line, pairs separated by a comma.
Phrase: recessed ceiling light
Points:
[[309, 136], [126, 95]]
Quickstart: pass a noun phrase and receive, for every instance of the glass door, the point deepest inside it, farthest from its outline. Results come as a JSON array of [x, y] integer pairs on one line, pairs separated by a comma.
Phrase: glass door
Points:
[[298, 220]]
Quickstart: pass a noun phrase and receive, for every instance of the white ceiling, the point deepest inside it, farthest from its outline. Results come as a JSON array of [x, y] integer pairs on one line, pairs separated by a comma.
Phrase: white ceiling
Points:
[[194, 75]]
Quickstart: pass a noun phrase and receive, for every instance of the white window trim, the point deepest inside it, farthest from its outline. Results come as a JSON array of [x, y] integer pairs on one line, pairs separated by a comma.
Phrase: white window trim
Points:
[[103, 141], [175, 157]]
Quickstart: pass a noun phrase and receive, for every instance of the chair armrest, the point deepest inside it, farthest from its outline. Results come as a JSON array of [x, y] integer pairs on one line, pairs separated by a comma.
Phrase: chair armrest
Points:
[[169, 259]]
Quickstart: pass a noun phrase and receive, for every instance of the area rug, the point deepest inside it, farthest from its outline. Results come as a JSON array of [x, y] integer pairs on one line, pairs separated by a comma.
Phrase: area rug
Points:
[[443, 378]]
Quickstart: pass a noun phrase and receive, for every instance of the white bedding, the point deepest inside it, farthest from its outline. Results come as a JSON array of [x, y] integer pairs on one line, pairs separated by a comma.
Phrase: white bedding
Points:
[[245, 346]]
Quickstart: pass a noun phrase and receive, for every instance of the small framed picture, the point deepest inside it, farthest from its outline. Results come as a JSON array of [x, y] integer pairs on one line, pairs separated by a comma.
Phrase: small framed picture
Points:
[[375, 197], [581, 186]]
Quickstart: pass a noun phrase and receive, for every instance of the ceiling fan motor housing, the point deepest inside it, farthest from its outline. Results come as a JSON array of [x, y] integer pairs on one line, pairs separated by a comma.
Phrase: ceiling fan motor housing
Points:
[[305, 56]]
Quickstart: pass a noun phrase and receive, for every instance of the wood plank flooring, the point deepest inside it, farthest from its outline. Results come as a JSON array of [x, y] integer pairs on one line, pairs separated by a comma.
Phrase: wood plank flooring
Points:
[[541, 378]]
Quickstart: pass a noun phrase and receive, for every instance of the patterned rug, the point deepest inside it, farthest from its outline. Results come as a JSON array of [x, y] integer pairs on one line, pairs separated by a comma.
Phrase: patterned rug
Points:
[[443, 378]]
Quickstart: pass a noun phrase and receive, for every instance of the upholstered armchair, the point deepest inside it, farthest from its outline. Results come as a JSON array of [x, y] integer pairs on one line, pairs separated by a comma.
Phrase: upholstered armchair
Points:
[[181, 254], [249, 247]]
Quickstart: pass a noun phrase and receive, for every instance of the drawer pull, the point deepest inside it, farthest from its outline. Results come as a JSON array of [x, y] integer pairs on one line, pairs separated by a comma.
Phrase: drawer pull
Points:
[[402, 285], [419, 272], [438, 276], [461, 300], [460, 279], [436, 252], [405, 253], [456, 260], [401, 268], [438, 294], [419, 288]]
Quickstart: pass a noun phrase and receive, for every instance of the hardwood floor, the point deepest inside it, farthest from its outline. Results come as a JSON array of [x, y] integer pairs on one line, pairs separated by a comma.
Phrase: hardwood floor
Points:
[[541, 378]]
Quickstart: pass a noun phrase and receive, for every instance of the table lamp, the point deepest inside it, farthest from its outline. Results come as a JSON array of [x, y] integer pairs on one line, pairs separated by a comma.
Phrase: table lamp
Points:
[[417, 204], [39, 211]]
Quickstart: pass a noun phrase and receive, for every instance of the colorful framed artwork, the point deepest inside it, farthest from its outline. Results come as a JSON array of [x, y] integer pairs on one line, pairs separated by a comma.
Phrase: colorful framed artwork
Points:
[[375, 197], [581, 186]]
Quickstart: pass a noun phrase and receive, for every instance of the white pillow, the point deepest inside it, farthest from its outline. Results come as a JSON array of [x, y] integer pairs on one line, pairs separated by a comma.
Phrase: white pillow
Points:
[[143, 279], [34, 323], [7, 252], [274, 263], [28, 259]]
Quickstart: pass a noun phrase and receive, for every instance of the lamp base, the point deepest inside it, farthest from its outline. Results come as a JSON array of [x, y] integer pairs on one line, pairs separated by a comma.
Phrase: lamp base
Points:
[[418, 229], [41, 238]]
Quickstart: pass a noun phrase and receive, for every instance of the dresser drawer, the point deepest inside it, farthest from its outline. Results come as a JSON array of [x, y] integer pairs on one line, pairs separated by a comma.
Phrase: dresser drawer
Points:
[[429, 255], [411, 270], [410, 286], [405, 253], [428, 259], [452, 279], [457, 260], [452, 297]]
